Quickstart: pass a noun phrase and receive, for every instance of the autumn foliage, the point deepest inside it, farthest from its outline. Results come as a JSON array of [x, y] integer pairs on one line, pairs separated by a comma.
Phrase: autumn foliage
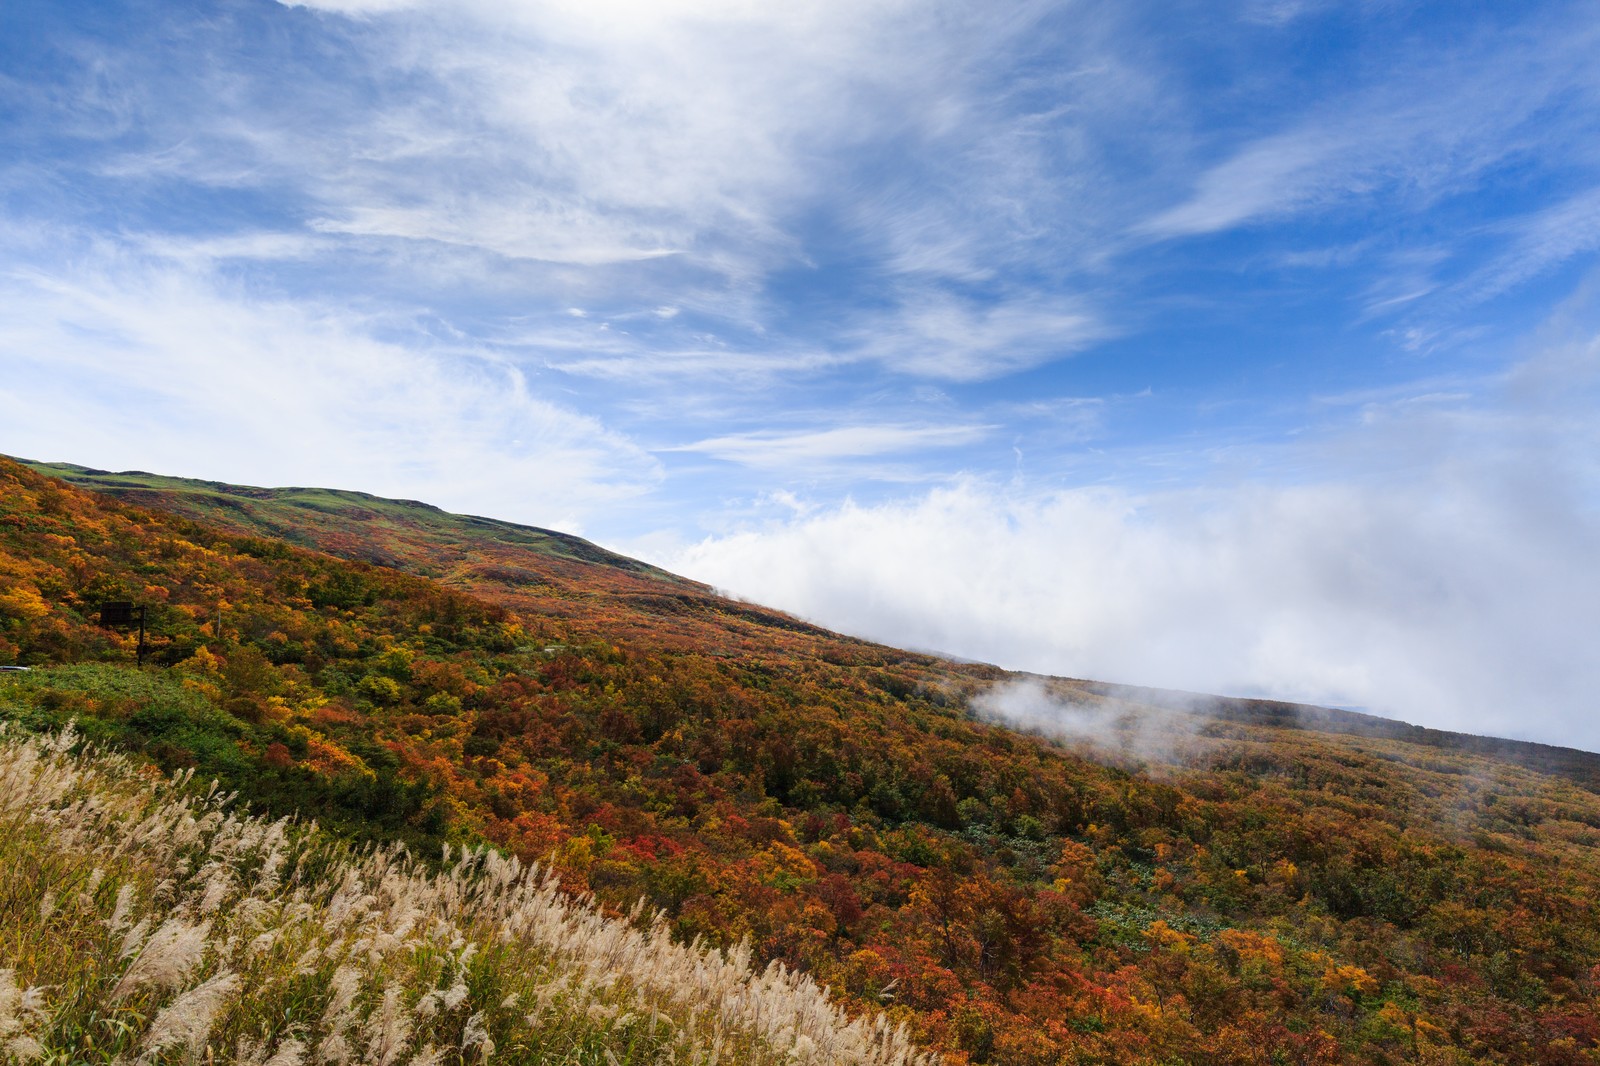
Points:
[[1245, 890]]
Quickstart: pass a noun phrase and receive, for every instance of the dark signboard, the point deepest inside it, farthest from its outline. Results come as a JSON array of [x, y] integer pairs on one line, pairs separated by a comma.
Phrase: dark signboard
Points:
[[117, 614]]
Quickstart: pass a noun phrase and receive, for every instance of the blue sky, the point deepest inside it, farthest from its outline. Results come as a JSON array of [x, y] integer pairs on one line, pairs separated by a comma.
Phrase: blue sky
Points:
[[1246, 347]]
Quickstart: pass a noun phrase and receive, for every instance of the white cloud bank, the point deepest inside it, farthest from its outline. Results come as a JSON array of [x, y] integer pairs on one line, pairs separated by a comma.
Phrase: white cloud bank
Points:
[[1462, 592]]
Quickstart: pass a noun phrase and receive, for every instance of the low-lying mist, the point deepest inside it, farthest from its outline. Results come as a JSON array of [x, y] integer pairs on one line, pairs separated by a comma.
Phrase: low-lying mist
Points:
[[1102, 727], [1440, 568]]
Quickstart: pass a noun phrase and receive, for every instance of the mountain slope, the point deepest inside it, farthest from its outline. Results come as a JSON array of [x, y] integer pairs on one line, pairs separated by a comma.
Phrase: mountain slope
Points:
[[201, 930], [1210, 887], [542, 571], [1580, 767], [392, 530], [522, 567]]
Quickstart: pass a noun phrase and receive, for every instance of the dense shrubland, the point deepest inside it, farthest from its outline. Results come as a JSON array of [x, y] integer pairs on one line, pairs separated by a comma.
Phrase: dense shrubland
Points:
[[151, 923], [1267, 894]]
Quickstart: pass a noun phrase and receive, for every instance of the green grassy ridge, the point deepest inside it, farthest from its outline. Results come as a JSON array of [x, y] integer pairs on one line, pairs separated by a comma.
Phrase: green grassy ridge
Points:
[[285, 513]]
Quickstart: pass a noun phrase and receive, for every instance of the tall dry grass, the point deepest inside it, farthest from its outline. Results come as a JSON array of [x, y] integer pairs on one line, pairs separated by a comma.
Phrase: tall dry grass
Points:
[[141, 922]]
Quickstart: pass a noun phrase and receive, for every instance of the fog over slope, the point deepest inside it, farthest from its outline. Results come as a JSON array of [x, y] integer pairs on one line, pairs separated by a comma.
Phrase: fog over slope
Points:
[[1456, 591]]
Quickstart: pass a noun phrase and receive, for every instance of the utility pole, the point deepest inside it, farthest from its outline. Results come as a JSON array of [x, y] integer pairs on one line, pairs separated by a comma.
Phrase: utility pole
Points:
[[124, 613]]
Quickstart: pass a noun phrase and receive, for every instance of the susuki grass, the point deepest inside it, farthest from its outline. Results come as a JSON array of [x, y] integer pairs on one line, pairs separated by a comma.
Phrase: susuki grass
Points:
[[142, 922]]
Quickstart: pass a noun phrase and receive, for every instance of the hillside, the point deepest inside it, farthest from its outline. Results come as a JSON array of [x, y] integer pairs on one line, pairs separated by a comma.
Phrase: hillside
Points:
[[540, 571], [553, 574], [201, 932], [1581, 767], [1205, 883]]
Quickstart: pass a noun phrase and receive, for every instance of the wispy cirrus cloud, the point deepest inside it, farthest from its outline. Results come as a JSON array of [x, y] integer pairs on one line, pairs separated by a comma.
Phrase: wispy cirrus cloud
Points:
[[1540, 242], [676, 127], [771, 448], [943, 337], [681, 153], [1419, 134]]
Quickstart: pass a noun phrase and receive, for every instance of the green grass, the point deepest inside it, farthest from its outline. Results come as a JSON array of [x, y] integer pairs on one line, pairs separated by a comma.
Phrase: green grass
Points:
[[176, 727]]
